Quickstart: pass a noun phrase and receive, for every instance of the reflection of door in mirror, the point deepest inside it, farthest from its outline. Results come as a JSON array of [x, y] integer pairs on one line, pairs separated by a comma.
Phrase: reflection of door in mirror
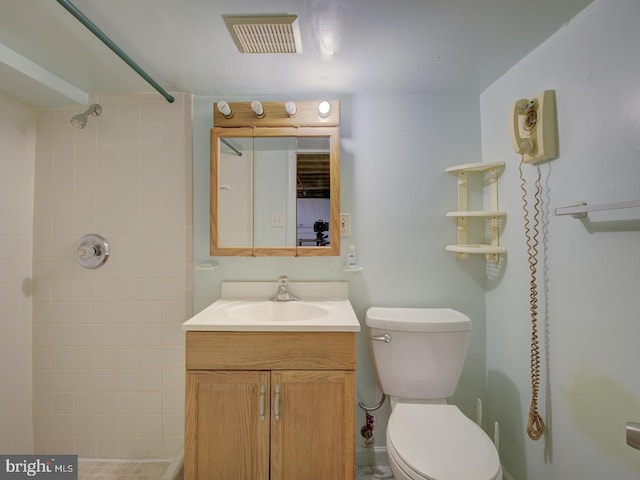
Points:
[[313, 191]]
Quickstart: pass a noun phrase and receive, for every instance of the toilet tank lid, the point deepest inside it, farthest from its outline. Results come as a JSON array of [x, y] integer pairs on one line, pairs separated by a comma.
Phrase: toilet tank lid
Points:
[[417, 319]]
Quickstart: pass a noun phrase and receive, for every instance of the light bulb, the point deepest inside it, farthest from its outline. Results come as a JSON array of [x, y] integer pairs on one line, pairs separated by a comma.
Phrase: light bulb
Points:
[[225, 109], [291, 108], [256, 106], [324, 109]]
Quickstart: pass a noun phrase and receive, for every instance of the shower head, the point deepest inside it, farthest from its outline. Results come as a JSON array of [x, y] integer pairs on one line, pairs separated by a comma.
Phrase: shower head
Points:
[[80, 120]]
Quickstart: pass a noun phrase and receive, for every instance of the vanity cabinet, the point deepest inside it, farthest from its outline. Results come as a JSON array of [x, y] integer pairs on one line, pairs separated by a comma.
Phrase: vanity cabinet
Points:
[[270, 405]]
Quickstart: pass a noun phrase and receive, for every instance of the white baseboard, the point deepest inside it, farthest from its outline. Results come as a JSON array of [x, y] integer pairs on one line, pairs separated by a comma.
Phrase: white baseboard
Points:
[[371, 456]]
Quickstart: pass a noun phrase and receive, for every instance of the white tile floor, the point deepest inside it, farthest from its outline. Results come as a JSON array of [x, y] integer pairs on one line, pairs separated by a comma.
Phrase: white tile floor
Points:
[[92, 469]]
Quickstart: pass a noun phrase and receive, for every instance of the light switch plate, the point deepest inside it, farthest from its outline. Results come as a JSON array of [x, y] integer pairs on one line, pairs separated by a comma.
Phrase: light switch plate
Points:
[[276, 220]]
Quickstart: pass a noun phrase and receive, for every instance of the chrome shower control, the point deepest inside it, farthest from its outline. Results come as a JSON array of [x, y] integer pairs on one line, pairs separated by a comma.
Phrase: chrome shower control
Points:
[[92, 251]]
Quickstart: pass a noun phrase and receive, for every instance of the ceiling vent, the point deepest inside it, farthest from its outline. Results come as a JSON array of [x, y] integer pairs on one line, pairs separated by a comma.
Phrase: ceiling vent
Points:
[[265, 33]]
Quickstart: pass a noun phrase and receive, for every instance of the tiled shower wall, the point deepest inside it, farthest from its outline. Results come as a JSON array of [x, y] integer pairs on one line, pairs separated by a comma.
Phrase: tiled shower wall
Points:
[[17, 141], [108, 350]]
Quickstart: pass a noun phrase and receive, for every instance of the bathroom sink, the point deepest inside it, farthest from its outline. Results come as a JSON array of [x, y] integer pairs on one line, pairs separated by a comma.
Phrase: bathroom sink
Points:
[[270, 311], [244, 306]]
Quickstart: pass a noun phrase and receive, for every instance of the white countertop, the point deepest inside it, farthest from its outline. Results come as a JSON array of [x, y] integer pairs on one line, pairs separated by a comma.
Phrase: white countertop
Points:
[[246, 307]]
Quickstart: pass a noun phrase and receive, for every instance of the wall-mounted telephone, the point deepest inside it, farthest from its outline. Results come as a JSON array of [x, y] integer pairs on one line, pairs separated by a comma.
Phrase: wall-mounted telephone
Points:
[[533, 127], [533, 135]]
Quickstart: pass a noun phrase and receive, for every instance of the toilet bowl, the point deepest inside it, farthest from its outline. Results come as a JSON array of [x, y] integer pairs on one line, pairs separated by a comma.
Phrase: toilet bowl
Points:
[[438, 442], [418, 356]]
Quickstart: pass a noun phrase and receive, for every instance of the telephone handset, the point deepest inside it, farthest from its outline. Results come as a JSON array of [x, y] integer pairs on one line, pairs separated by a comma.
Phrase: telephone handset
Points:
[[533, 127], [533, 135]]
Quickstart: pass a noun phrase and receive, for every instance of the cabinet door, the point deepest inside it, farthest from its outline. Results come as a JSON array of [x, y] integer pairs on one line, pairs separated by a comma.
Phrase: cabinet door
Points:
[[313, 428], [227, 425]]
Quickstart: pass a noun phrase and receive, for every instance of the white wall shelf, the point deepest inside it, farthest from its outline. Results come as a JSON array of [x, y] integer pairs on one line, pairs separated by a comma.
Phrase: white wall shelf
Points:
[[475, 167], [476, 213], [476, 248], [353, 269], [463, 248]]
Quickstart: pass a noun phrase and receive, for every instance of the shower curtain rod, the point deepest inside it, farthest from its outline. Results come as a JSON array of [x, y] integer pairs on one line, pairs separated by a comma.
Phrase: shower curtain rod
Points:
[[73, 10]]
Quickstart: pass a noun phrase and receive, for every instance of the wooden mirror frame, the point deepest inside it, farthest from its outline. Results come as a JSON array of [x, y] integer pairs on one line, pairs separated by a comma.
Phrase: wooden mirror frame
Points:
[[276, 123]]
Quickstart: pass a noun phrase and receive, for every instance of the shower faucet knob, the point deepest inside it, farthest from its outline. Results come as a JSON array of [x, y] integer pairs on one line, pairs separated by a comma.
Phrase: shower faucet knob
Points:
[[92, 251]]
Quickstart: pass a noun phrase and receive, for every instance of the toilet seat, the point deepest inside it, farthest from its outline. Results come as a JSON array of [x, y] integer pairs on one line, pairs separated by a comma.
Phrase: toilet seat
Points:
[[438, 442]]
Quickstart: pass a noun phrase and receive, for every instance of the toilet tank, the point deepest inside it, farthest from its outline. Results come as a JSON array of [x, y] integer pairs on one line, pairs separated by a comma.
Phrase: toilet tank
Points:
[[424, 356]]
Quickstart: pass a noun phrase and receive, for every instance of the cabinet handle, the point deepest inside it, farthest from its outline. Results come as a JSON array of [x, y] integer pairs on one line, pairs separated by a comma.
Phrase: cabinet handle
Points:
[[277, 402], [263, 389]]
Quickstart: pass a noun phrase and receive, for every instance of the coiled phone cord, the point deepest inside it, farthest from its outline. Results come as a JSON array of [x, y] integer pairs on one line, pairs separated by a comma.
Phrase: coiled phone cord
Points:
[[535, 424]]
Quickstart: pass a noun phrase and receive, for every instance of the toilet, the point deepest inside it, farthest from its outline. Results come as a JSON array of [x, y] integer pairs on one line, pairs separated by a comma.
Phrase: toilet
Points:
[[418, 355]]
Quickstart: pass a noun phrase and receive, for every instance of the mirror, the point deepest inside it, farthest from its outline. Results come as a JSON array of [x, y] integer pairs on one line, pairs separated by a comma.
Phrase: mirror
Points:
[[275, 191]]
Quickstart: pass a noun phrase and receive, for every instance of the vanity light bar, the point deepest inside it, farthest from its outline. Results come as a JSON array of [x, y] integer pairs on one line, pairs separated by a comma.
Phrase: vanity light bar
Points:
[[277, 114]]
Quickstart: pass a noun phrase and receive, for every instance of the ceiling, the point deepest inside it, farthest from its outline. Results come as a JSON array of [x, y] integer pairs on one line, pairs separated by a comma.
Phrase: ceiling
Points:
[[49, 59]]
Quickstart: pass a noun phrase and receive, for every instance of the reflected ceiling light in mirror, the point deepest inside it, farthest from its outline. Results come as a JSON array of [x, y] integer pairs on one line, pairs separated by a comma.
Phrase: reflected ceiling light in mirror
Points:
[[225, 109], [290, 108], [324, 109], [257, 108]]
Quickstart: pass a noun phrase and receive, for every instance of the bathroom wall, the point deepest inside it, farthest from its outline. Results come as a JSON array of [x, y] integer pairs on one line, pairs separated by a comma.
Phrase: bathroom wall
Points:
[[17, 158], [394, 151], [588, 269], [108, 350]]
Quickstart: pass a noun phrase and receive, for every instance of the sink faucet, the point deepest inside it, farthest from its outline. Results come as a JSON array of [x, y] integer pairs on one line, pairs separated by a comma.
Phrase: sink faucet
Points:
[[283, 294]]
